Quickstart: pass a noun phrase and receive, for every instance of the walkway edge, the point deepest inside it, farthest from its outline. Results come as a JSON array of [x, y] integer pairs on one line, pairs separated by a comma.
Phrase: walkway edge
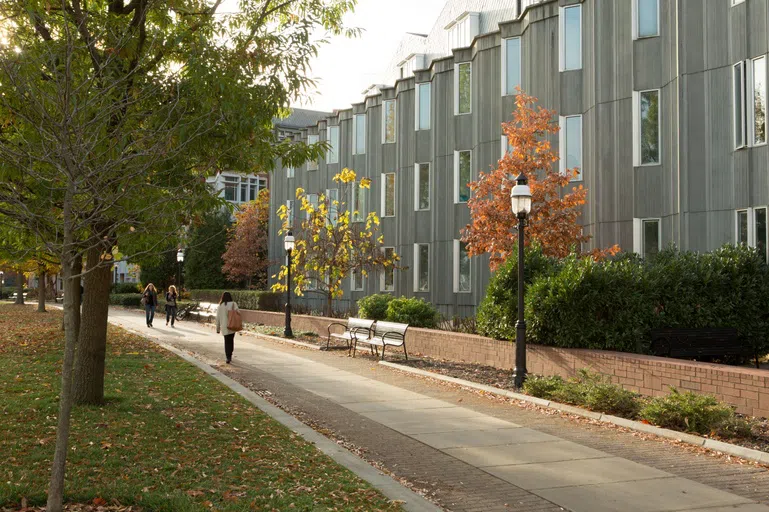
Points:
[[395, 491], [711, 444]]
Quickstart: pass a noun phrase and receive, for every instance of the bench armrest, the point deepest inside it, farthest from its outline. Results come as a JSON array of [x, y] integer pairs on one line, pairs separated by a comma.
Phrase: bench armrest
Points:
[[400, 335], [336, 323]]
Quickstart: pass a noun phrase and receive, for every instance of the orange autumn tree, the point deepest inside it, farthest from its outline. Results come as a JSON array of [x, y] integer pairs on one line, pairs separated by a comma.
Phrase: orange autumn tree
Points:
[[555, 208]]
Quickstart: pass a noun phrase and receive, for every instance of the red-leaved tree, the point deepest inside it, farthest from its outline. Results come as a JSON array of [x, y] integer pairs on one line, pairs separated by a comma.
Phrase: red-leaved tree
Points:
[[246, 256], [556, 206]]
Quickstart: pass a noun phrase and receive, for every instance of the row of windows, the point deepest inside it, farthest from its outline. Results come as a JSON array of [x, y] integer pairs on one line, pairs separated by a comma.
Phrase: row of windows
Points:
[[462, 271], [242, 189], [749, 102]]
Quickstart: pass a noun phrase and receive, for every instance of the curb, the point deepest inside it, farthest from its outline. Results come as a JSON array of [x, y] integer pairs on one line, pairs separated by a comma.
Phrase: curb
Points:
[[393, 490], [694, 440]]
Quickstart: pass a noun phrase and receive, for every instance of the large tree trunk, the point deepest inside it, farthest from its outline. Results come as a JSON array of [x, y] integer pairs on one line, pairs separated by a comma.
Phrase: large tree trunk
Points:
[[329, 309], [41, 288], [19, 287], [92, 345], [71, 268]]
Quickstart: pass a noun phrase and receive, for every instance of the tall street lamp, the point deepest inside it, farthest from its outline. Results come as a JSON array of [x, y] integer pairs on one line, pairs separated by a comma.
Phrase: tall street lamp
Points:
[[2, 279], [179, 261], [288, 244], [520, 199]]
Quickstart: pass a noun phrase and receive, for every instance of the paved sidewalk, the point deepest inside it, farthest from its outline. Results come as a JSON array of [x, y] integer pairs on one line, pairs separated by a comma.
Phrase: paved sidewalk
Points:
[[476, 456]]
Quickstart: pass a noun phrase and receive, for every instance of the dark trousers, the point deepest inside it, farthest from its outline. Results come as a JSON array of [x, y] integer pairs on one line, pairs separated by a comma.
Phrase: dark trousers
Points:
[[229, 345], [170, 314], [149, 309]]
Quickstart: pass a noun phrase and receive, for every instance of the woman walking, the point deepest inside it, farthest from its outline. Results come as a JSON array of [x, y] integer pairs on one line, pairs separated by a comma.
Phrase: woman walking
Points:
[[150, 301], [171, 305], [226, 304]]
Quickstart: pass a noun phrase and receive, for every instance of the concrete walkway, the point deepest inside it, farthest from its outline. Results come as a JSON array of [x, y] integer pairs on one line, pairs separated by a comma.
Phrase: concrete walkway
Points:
[[515, 466]]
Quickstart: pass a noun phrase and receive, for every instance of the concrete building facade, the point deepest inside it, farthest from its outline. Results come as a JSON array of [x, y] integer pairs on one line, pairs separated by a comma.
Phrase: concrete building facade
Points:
[[661, 103]]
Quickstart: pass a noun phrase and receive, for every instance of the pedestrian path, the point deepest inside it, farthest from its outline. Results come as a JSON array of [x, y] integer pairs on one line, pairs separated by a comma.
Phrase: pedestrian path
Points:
[[549, 471]]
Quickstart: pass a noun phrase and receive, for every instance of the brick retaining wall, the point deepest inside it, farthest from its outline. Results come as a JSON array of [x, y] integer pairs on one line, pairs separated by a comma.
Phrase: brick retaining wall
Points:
[[745, 388]]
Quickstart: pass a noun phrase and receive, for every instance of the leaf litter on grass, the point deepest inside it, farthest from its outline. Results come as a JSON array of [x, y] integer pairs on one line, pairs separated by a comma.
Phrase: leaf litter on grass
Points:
[[165, 434]]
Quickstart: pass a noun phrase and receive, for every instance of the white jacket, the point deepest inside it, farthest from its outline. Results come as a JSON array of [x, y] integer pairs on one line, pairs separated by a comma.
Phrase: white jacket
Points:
[[221, 317]]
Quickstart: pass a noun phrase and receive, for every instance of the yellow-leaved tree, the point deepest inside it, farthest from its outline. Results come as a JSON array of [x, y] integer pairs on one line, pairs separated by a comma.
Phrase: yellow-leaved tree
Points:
[[335, 241]]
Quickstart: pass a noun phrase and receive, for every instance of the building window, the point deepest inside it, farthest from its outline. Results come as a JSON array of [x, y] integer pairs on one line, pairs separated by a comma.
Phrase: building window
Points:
[[759, 101], [646, 125], [313, 164], [358, 203], [570, 37], [422, 112], [738, 103], [461, 267], [244, 191], [231, 188], [511, 65], [570, 145], [257, 184], [290, 212], [388, 122], [421, 267], [463, 86], [356, 281], [735, 2], [461, 32], [388, 195], [359, 134], [504, 146], [752, 229], [646, 18], [422, 186], [332, 196], [332, 157], [462, 175], [647, 237], [387, 280], [313, 200], [289, 172]]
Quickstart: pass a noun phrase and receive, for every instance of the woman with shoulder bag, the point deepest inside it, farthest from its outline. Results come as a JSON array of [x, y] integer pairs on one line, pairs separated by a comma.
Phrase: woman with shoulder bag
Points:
[[228, 322], [150, 301], [171, 296]]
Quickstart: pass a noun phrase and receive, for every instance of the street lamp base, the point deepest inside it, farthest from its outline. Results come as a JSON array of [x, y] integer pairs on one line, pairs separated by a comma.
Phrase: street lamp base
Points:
[[288, 333], [519, 376]]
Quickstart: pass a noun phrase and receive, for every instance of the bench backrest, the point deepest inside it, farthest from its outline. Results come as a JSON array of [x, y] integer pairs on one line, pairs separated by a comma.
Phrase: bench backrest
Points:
[[359, 323], [394, 329], [720, 341], [204, 306]]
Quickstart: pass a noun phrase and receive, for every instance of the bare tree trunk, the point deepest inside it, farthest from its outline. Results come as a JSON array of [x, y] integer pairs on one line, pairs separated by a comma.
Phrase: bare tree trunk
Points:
[[72, 266], [88, 385], [329, 298], [19, 287], [41, 287]]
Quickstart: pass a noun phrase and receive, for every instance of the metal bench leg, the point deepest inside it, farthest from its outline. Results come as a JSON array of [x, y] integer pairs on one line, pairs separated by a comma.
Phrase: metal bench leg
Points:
[[404, 351], [383, 348], [354, 347]]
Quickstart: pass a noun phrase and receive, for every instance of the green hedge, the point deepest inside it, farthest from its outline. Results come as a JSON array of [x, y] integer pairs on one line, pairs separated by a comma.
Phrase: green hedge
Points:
[[613, 304], [374, 307], [120, 288], [415, 312], [130, 300], [498, 310], [246, 299]]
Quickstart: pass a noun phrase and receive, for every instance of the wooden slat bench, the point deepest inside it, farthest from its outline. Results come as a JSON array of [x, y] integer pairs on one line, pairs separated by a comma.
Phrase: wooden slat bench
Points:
[[354, 327], [385, 333], [206, 311], [698, 343]]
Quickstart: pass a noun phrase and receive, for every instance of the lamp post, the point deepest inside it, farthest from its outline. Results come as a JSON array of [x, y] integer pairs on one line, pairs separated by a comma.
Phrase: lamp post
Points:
[[2, 280], [288, 244], [520, 199], [179, 261]]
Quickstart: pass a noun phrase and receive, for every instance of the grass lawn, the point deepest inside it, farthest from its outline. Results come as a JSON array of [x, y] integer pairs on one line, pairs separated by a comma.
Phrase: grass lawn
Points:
[[169, 438]]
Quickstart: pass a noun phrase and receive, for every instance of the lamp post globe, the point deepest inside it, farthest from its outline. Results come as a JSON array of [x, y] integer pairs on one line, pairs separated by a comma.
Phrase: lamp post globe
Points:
[[179, 261], [288, 245], [520, 202]]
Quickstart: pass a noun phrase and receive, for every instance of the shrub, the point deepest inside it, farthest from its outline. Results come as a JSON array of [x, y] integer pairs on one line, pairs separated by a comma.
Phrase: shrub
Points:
[[498, 310], [688, 412], [130, 300], [126, 288], [246, 299], [589, 304], [413, 311], [543, 387], [374, 307], [612, 399]]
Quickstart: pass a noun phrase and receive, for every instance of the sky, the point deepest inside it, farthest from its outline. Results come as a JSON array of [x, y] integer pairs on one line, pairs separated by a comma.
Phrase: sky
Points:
[[345, 67]]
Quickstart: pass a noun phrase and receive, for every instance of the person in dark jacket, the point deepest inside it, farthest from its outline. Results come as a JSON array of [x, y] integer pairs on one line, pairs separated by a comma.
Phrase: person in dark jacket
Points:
[[171, 296], [150, 300]]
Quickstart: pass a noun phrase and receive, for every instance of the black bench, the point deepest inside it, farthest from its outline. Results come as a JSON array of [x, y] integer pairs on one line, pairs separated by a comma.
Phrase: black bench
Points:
[[699, 343]]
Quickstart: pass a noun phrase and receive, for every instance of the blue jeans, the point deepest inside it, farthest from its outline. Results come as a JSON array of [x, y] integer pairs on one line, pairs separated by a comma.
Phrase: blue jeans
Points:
[[150, 310]]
